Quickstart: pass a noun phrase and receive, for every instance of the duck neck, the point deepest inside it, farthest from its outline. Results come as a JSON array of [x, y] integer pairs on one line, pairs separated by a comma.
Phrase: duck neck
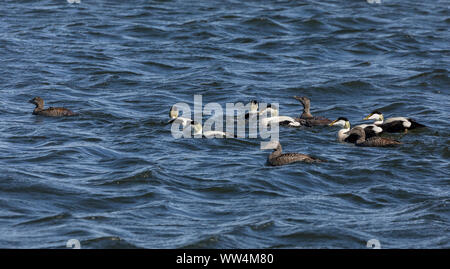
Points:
[[342, 132], [276, 152], [39, 107], [306, 112], [380, 120]]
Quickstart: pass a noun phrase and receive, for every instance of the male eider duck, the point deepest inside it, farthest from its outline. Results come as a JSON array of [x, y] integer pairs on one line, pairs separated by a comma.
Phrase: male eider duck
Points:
[[198, 130], [393, 125], [282, 120], [254, 106], [360, 135], [272, 110], [277, 158], [307, 116], [269, 115], [173, 114], [253, 110], [370, 130], [51, 111]]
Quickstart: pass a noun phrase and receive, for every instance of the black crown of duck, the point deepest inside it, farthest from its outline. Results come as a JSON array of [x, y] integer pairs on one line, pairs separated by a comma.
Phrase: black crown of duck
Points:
[[51, 111]]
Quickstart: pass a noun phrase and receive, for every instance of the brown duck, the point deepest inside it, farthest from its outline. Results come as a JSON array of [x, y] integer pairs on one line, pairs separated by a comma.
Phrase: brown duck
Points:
[[51, 111], [277, 158], [307, 116], [375, 141]]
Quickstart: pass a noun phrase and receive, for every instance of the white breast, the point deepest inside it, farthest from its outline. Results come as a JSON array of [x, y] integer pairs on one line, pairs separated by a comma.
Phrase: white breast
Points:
[[342, 134]]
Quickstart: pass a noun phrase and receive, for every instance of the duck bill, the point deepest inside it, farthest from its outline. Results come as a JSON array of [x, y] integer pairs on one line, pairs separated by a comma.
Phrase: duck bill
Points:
[[332, 123], [300, 98], [31, 101], [368, 117]]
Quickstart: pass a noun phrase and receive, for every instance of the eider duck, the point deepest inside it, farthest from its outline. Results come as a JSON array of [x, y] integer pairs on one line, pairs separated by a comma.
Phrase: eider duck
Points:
[[370, 130], [282, 120], [393, 125], [254, 106], [272, 110], [273, 118], [51, 111], [253, 110], [375, 141], [173, 114], [277, 158], [198, 130], [307, 116]]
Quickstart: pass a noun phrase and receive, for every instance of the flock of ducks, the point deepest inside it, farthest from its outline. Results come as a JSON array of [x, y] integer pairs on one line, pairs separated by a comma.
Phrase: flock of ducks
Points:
[[364, 135]]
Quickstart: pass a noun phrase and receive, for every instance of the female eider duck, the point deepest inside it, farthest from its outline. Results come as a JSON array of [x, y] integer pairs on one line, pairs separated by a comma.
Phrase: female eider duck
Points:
[[360, 139], [198, 130], [307, 116], [51, 111], [370, 130], [173, 114], [393, 125], [277, 158]]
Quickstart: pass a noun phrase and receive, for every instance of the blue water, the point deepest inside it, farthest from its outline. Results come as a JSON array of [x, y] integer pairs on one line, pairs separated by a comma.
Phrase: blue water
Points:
[[114, 177]]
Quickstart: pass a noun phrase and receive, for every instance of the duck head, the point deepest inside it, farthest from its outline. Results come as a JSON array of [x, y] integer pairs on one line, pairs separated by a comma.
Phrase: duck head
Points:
[[38, 101]]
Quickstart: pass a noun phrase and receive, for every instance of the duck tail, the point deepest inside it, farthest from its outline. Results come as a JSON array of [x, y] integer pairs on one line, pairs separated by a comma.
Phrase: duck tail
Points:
[[415, 124], [317, 160]]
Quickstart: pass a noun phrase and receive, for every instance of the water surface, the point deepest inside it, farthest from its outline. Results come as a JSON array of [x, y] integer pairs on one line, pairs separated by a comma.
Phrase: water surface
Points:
[[114, 177]]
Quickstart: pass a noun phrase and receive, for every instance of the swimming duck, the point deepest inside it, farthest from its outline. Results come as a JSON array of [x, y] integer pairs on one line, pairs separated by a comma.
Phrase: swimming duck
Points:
[[272, 110], [197, 127], [254, 105], [273, 118], [370, 130], [282, 120], [307, 116], [277, 158], [51, 111], [393, 125], [374, 141], [253, 110]]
